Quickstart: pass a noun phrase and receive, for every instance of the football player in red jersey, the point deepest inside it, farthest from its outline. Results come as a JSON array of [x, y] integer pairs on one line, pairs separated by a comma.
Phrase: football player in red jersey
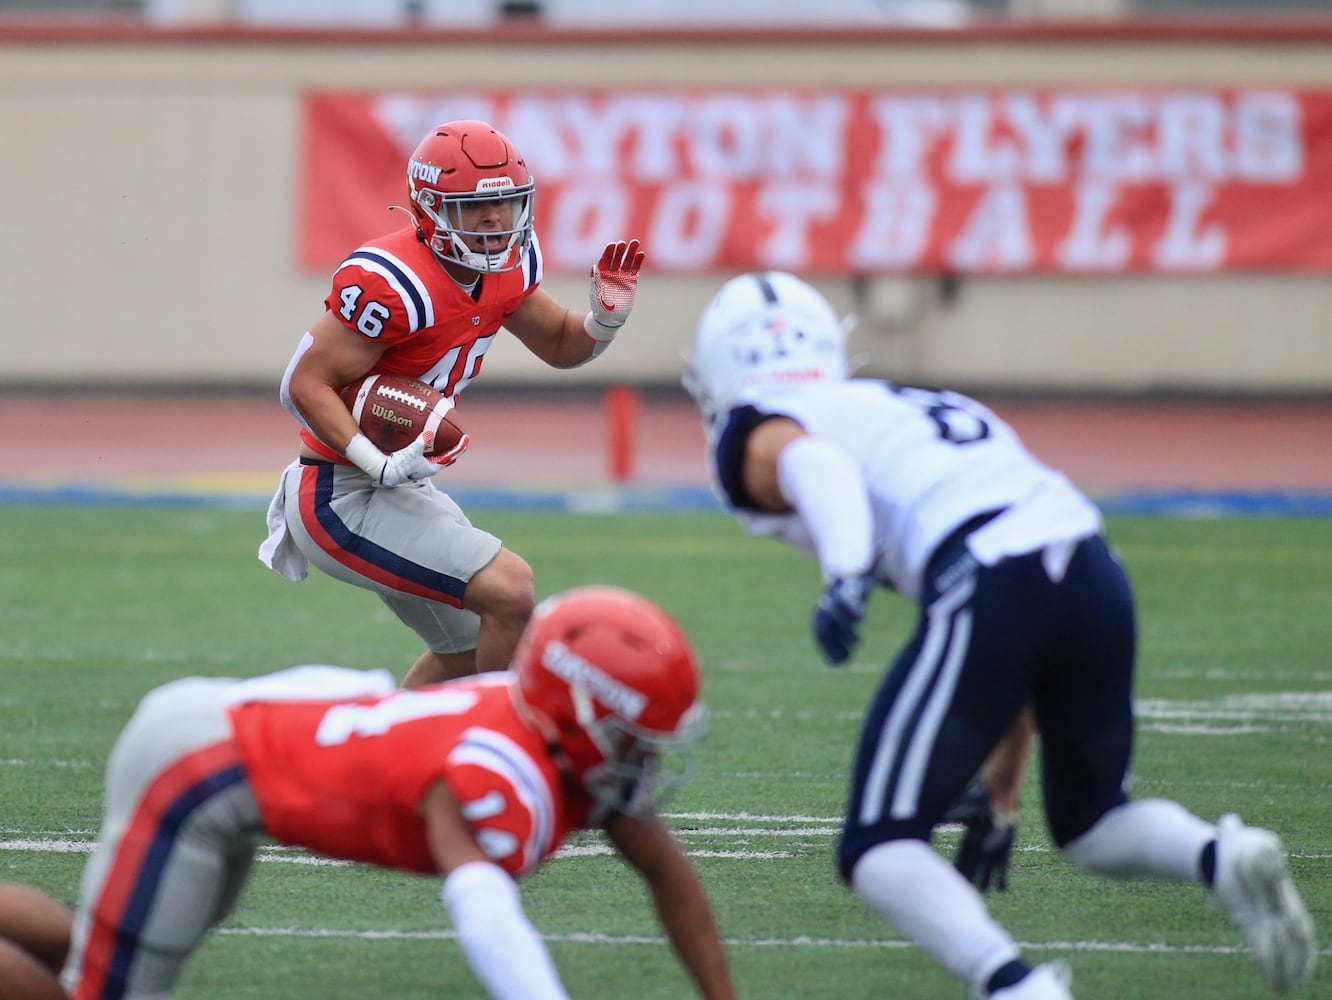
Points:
[[427, 301], [478, 780]]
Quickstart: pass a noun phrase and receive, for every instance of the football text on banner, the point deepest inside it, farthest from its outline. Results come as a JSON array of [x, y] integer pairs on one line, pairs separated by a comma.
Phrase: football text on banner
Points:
[[1005, 181]]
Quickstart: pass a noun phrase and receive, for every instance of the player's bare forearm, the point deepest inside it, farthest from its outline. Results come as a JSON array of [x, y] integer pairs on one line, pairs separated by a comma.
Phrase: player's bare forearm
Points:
[[1001, 774], [551, 331], [326, 414], [565, 338], [335, 357], [679, 899], [687, 919]]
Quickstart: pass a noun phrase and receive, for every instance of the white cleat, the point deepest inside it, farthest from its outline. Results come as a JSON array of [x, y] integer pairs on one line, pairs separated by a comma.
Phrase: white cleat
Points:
[[1254, 887], [1045, 982]]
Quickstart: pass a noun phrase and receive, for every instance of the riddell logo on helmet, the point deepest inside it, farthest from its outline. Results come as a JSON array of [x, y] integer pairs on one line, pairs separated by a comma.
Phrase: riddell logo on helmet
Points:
[[427, 172], [492, 183], [574, 670]]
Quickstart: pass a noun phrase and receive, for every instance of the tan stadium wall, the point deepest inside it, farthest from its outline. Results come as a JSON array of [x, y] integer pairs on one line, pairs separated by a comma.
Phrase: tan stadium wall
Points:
[[149, 192]]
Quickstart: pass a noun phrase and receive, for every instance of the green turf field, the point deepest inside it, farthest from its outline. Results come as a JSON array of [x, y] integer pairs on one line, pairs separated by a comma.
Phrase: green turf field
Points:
[[98, 604]]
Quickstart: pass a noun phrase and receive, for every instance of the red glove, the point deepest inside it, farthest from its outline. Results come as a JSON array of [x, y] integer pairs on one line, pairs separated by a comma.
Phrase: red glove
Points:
[[614, 282], [447, 458]]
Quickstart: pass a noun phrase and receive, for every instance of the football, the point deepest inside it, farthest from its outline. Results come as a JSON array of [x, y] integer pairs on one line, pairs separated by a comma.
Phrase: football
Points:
[[394, 410]]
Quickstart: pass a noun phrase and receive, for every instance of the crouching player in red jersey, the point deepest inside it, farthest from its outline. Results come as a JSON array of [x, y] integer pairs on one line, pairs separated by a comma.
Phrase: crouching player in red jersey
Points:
[[478, 780]]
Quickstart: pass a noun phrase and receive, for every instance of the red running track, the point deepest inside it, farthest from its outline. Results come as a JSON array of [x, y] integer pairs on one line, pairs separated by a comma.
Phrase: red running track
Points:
[[534, 440]]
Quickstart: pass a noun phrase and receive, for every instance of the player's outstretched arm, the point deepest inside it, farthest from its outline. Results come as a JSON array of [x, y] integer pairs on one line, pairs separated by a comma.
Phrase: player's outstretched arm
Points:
[[567, 338], [787, 469], [679, 899], [502, 947]]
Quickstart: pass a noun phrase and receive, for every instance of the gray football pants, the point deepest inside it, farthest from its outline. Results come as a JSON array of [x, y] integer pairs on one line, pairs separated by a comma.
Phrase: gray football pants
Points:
[[178, 838]]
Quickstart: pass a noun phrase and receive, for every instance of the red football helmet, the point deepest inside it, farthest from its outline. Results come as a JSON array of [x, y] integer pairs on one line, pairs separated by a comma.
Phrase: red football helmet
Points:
[[612, 679], [471, 195]]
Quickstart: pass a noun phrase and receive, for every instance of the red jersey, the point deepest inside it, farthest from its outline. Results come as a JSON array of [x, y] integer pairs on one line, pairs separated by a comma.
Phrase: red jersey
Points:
[[393, 291], [345, 778]]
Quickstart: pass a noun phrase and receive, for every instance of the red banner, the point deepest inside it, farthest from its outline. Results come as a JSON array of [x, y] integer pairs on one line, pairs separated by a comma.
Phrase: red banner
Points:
[[1002, 181]]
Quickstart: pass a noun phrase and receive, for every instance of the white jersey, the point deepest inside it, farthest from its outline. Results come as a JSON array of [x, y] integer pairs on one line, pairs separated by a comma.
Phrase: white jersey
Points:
[[931, 460]]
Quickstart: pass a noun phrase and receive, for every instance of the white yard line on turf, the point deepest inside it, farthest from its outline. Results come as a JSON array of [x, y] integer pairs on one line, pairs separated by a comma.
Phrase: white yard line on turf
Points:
[[296, 856], [800, 941]]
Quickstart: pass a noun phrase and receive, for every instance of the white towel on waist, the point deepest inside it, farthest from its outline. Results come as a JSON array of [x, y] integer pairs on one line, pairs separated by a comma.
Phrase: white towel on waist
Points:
[[1048, 518], [278, 551]]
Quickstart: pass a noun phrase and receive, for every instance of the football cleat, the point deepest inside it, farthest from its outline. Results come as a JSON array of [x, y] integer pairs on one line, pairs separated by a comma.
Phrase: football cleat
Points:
[[1254, 887], [1045, 982]]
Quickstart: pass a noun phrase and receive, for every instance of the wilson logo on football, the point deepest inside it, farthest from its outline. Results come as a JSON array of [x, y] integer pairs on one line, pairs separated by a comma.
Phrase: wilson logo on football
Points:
[[387, 413], [394, 410]]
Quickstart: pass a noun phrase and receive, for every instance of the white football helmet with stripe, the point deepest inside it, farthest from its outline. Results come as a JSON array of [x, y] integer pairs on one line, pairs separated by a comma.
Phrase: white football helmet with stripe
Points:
[[764, 328]]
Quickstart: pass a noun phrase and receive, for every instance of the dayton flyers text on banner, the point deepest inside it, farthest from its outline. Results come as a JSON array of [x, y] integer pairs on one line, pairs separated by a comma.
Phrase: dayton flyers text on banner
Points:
[[1085, 181]]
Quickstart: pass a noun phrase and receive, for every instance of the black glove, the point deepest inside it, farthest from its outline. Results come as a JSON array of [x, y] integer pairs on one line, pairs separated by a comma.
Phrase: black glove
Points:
[[986, 848], [838, 614]]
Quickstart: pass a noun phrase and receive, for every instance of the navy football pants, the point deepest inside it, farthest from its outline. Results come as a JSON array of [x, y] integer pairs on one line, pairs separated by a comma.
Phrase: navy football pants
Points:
[[989, 640]]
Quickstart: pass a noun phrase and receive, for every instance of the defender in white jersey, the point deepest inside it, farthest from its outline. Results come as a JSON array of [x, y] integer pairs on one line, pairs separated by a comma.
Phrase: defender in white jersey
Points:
[[1022, 604]]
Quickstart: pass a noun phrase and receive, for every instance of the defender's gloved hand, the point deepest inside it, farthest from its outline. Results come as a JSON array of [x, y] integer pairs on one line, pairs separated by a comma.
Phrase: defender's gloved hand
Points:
[[986, 848], [406, 465], [614, 282], [838, 614]]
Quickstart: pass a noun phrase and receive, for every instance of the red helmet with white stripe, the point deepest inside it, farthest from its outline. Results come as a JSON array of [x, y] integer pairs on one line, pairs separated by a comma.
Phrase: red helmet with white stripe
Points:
[[612, 678], [471, 195]]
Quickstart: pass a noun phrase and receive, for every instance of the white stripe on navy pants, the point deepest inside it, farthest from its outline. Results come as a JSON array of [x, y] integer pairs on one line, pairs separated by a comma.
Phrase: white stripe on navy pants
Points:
[[993, 639]]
